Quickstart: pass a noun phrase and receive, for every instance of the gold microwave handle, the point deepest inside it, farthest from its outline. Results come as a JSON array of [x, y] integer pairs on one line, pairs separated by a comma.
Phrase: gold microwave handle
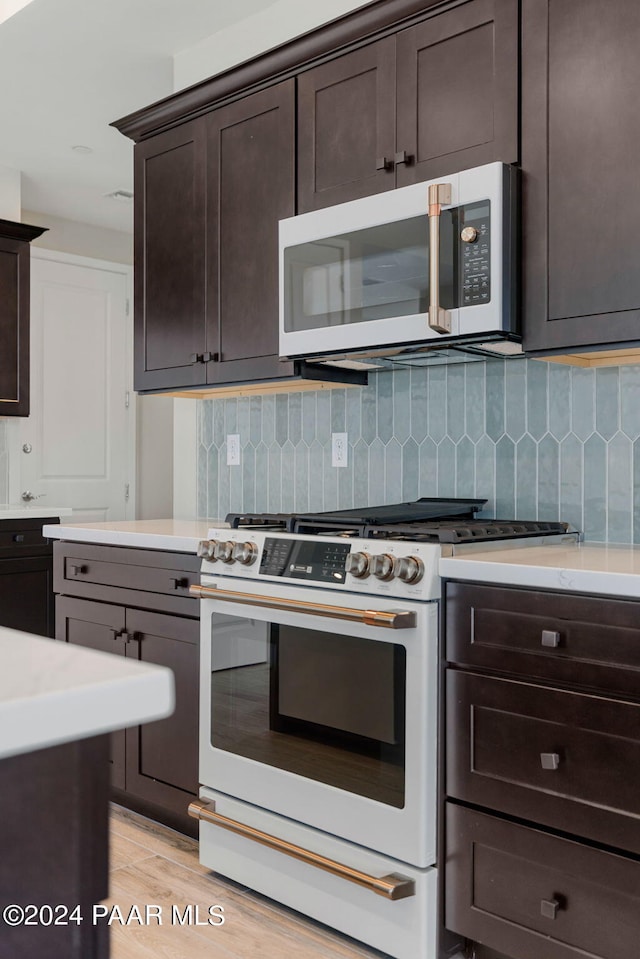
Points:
[[439, 196], [391, 619], [392, 886]]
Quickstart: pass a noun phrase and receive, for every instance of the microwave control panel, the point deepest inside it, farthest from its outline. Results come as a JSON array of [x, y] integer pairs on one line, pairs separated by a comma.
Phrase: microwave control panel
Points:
[[475, 253]]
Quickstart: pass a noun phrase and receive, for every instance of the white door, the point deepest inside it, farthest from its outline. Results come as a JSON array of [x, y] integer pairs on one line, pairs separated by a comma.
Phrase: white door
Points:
[[76, 447]]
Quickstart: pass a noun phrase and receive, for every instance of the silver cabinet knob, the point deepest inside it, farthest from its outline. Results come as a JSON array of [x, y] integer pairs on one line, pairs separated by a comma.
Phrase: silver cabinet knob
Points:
[[358, 565], [382, 566], [410, 569]]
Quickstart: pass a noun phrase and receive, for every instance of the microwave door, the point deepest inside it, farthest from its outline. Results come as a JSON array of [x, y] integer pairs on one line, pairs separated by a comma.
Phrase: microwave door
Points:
[[368, 286]]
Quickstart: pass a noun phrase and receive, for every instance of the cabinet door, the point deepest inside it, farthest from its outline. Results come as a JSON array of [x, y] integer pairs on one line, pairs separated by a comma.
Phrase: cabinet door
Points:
[[252, 187], [162, 757], [26, 594], [580, 140], [346, 124], [96, 626], [14, 327], [170, 246], [457, 90]]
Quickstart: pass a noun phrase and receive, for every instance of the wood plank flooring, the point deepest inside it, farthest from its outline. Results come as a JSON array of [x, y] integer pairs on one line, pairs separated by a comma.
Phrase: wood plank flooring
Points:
[[152, 865]]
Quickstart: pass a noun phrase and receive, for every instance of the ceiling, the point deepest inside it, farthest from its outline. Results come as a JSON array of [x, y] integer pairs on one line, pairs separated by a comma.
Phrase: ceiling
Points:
[[70, 67]]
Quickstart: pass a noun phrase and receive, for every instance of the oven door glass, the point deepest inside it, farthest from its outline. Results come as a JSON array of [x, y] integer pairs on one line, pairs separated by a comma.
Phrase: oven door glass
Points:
[[324, 705]]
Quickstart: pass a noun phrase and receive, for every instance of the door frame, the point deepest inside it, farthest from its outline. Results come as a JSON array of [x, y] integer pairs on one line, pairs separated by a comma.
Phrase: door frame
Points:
[[13, 424]]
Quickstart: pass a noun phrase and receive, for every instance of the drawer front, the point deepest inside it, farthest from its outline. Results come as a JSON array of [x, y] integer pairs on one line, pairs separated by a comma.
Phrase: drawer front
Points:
[[531, 895], [564, 759], [150, 578], [24, 537], [563, 637]]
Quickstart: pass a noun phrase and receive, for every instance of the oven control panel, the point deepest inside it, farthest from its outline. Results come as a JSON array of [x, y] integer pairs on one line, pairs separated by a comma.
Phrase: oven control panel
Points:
[[355, 565]]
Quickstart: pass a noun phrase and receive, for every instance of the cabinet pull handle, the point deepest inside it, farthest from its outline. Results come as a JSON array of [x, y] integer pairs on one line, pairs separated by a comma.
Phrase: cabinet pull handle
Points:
[[404, 157], [549, 760], [78, 570], [392, 887], [196, 358], [549, 908], [128, 637], [18, 537], [384, 163], [179, 582], [550, 638], [439, 195]]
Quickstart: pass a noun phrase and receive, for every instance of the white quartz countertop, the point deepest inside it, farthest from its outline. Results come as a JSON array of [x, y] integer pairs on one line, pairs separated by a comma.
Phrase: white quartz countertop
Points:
[[179, 535], [32, 512], [581, 567], [53, 692]]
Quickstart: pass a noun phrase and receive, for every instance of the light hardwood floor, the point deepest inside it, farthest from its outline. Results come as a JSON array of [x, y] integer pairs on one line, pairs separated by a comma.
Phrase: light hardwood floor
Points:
[[151, 865]]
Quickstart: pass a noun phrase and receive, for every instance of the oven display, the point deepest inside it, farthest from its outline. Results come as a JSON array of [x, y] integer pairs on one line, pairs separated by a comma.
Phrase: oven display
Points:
[[318, 561]]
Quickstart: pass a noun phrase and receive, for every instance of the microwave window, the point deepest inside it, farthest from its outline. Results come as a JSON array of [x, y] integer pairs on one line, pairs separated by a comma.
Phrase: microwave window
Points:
[[367, 275]]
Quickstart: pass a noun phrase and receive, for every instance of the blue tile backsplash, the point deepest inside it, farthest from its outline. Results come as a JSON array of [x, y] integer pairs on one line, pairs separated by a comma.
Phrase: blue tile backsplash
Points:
[[538, 440]]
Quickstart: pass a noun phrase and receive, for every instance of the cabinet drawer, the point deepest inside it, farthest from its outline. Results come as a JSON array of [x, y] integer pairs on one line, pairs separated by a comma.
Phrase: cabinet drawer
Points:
[[23, 537], [563, 637], [140, 577], [560, 758], [532, 895]]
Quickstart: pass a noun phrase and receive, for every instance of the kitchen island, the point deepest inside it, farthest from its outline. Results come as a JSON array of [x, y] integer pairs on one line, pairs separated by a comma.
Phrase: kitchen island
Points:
[[57, 703]]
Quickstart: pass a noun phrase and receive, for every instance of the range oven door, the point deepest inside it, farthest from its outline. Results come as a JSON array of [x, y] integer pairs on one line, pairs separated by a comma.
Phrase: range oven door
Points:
[[407, 267], [320, 710]]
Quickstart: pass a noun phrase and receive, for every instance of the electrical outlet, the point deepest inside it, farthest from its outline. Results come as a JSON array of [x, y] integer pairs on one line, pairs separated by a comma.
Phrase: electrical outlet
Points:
[[233, 449], [339, 449]]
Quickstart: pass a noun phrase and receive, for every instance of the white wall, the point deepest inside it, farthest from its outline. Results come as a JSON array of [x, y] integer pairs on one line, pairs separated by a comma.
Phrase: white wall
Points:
[[281, 21], [154, 457], [83, 239], [9, 194]]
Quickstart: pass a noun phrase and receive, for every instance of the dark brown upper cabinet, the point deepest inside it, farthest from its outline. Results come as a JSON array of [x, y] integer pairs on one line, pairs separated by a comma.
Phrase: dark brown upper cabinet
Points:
[[581, 202], [433, 99], [170, 258], [251, 186], [14, 316], [209, 195]]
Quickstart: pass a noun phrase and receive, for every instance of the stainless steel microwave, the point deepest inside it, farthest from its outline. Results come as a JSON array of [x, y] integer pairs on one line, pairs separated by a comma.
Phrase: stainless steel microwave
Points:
[[432, 265]]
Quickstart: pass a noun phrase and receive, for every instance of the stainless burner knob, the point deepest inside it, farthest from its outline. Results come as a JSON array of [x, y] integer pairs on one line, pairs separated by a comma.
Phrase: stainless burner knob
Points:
[[206, 548], [358, 565], [383, 566], [410, 569], [245, 553], [223, 550]]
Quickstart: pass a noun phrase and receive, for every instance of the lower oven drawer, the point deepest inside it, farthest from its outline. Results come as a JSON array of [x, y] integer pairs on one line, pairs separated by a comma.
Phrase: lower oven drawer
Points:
[[564, 759], [405, 928], [535, 896]]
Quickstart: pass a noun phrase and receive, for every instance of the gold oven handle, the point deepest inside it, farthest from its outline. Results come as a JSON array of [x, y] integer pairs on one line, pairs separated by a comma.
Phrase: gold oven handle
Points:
[[392, 886], [391, 619], [439, 196]]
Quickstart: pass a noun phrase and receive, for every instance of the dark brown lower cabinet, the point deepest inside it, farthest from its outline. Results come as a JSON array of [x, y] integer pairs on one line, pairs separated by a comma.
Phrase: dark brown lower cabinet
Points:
[[542, 757], [26, 576], [533, 895], [54, 842], [154, 766]]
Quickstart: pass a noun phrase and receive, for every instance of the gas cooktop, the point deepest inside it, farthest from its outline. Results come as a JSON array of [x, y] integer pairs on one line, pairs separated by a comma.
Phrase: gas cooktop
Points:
[[427, 520]]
